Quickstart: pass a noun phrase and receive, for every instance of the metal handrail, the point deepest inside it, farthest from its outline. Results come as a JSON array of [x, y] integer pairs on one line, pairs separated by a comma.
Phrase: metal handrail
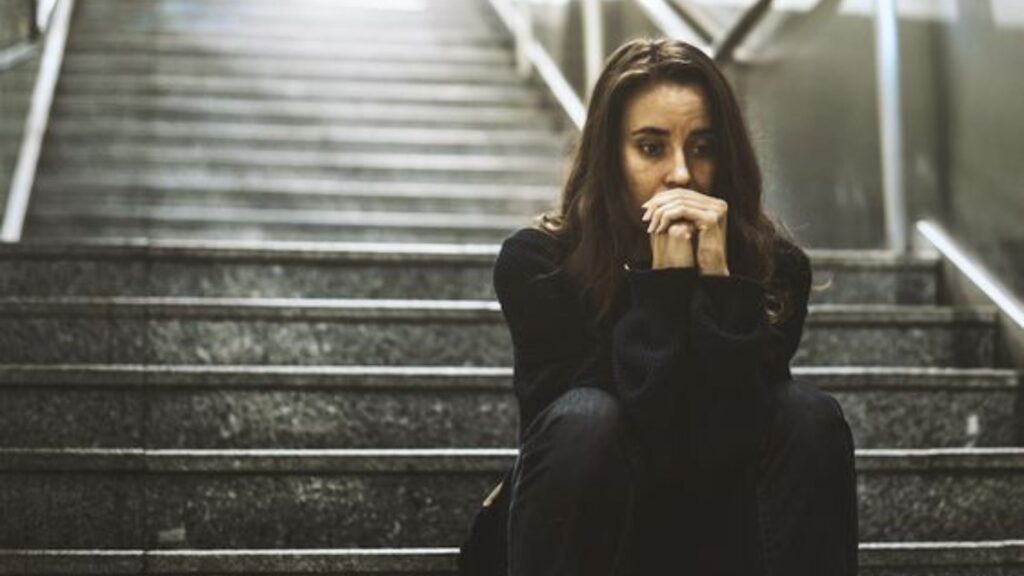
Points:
[[16, 54], [665, 18], [748, 21], [1007, 303], [890, 123], [26, 49], [530, 54], [700, 22], [36, 121], [695, 29]]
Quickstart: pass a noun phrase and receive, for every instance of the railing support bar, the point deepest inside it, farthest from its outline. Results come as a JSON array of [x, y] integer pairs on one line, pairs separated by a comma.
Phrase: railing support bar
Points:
[[749, 20], [524, 37], [890, 118], [593, 42], [35, 123]]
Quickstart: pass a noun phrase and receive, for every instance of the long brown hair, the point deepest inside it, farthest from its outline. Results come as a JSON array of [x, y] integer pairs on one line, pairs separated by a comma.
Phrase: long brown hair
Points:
[[594, 215]]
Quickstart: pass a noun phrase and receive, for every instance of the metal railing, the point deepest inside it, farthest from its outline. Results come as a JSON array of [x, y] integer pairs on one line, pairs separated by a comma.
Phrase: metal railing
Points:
[[53, 41], [679, 21]]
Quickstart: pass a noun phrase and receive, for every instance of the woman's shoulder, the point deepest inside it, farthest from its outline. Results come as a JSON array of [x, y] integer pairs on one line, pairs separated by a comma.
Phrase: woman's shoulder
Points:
[[536, 249], [791, 261]]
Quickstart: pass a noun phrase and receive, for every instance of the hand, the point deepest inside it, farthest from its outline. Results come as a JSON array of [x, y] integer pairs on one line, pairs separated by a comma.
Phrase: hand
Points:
[[673, 248], [706, 216]]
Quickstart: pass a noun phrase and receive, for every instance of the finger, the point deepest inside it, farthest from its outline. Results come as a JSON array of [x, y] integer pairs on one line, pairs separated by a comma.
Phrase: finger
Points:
[[702, 219], [708, 202], [658, 221], [676, 194], [658, 217], [716, 212], [662, 197]]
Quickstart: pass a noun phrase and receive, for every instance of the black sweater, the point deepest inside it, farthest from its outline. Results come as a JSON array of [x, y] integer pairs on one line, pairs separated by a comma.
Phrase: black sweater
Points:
[[689, 357]]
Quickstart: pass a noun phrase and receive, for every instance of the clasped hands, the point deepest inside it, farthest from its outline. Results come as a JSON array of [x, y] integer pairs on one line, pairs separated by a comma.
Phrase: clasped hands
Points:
[[687, 229]]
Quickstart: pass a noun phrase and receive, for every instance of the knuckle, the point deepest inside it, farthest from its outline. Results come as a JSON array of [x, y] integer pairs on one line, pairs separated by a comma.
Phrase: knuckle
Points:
[[680, 230]]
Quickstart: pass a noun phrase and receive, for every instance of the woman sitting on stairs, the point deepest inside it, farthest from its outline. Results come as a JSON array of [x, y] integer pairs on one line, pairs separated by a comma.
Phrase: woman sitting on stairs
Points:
[[653, 317]]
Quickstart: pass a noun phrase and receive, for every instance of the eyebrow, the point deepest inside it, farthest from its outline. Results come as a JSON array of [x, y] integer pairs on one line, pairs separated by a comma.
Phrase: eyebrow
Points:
[[655, 131]]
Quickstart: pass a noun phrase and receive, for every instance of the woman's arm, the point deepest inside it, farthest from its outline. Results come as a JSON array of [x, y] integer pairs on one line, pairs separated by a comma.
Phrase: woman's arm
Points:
[[552, 351], [687, 357]]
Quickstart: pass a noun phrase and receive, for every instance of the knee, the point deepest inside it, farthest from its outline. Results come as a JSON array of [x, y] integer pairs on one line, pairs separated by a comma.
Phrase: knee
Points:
[[582, 424], [811, 423]]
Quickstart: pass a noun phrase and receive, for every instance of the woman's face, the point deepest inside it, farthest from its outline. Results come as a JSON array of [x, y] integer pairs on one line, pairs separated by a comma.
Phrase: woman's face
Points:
[[668, 142]]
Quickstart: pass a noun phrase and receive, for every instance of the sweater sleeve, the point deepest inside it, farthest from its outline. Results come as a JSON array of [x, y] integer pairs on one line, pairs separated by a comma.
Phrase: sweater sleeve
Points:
[[552, 352], [686, 359]]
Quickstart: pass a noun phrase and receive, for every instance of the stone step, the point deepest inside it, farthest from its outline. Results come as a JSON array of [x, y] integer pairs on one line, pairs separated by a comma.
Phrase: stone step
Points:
[[363, 270], [287, 68], [132, 330], [271, 34], [103, 132], [129, 15], [143, 199], [528, 168], [289, 113], [134, 498], [273, 192], [492, 167], [246, 224], [118, 88], [328, 50], [104, 135], [978, 558], [429, 406], [181, 222]]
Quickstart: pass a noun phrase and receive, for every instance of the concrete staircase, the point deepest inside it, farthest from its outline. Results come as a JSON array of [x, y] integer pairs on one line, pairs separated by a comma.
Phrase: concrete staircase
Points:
[[184, 389], [350, 120]]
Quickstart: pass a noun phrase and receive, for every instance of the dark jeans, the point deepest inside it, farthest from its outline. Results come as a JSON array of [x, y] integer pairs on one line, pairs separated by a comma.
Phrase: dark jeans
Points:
[[583, 504]]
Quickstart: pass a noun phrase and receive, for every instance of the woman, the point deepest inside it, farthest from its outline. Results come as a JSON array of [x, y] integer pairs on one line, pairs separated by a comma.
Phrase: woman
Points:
[[653, 318]]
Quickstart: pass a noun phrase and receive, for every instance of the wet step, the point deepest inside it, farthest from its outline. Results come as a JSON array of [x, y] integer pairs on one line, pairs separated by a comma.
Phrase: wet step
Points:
[[984, 558], [365, 270], [124, 88], [119, 330], [137, 65], [133, 498], [429, 406], [296, 113]]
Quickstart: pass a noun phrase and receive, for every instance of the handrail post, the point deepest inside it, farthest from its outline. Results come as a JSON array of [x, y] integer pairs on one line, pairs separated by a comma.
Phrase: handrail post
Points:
[[593, 42], [524, 37], [890, 121]]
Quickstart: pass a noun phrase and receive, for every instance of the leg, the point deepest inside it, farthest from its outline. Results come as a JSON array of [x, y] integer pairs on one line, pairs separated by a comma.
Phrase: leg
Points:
[[807, 491], [572, 489]]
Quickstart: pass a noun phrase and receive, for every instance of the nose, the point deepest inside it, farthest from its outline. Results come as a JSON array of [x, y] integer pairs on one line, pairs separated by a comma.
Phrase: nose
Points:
[[679, 175]]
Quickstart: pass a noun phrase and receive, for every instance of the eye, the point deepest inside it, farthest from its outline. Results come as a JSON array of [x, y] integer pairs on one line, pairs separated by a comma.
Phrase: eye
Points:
[[703, 149], [650, 149]]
